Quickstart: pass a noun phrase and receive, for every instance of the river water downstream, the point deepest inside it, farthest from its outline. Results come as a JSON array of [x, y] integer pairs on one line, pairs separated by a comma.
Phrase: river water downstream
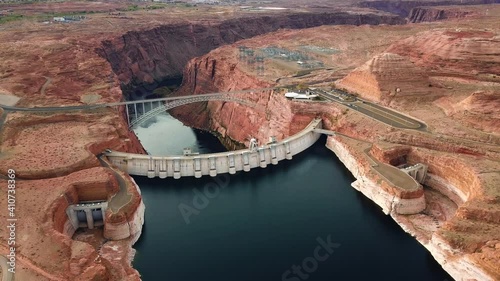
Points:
[[264, 224]]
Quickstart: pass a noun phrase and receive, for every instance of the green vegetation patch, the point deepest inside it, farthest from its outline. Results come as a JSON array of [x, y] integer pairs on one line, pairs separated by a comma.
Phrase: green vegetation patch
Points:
[[133, 8], [9, 18], [156, 6]]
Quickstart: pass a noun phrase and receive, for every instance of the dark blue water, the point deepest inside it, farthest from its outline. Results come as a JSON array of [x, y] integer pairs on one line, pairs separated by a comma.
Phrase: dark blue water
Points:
[[299, 220]]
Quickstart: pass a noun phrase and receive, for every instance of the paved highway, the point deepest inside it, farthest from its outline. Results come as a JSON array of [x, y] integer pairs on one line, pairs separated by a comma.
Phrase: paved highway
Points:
[[6, 275], [51, 109], [122, 197], [374, 111], [377, 112], [95, 106], [390, 174]]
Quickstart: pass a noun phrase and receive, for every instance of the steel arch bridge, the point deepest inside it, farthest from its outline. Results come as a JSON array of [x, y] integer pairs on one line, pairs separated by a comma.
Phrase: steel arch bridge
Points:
[[150, 109]]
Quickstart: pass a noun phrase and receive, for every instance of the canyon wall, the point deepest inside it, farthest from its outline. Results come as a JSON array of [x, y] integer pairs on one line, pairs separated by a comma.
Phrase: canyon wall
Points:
[[404, 8], [233, 123], [461, 53], [422, 65], [463, 244], [465, 241], [427, 14], [385, 77], [151, 56]]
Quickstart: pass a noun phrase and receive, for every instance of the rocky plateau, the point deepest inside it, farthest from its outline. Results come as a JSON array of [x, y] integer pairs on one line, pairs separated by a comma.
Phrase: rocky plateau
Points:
[[444, 73]]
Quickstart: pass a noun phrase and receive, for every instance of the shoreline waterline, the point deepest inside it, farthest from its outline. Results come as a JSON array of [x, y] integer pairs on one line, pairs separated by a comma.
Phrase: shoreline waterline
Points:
[[262, 223]]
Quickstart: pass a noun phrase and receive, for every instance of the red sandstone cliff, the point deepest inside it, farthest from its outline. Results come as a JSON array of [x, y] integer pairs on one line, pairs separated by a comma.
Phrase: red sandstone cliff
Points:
[[480, 110], [45, 234], [79, 76], [405, 8], [385, 77], [149, 56], [463, 53], [271, 115], [427, 14], [406, 66], [54, 153], [456, 201]]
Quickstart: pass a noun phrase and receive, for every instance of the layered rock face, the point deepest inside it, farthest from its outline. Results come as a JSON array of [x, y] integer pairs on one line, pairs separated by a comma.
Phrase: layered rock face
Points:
[[384, 77], [429, 65], [84, 139], [455, 62], [234, 123], [481, 109], [471, 234], [404, 8], [427, 14], [54, 153], [464, 53], [460, 218], [39, 244], [161, 53]]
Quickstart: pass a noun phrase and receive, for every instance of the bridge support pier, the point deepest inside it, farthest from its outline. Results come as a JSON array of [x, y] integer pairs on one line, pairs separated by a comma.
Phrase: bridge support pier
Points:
[[135, 113], [128, 114]]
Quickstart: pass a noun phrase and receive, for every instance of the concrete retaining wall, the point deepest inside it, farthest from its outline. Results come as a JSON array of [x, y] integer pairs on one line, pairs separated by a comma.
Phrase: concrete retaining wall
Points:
[[216, 163]]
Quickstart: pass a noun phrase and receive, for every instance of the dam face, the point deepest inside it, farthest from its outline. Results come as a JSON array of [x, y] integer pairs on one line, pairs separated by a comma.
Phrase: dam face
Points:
[[257, 225], [216, 163]]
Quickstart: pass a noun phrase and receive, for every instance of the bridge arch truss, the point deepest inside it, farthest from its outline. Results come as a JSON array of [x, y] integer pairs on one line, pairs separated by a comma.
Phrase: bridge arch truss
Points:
[[137, 119]]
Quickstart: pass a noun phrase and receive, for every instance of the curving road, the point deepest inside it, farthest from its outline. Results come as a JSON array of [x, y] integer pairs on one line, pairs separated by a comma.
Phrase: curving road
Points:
[[389, 173], [6, 275], [122, 197], [372, 110], [101, 105], [45, 85], [377, 112]]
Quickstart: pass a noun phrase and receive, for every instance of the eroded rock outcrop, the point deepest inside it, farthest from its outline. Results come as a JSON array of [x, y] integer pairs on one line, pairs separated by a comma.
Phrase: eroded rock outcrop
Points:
[[150, 56], [37, 246], [54, 153], [427, 14], [464, 53], [384, 77], [481, 109], [455, 203], [404, 8], [234, 123]]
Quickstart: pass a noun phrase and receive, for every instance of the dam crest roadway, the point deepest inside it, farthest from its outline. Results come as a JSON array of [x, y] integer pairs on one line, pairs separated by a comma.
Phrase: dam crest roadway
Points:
[[216, 163], [140, 111]]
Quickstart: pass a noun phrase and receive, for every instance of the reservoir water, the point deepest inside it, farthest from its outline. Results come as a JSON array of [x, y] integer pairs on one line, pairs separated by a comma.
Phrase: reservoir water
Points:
[[265, 224]]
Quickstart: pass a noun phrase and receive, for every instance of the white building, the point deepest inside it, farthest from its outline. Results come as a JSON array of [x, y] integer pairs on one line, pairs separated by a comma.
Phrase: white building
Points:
[[306, 96]]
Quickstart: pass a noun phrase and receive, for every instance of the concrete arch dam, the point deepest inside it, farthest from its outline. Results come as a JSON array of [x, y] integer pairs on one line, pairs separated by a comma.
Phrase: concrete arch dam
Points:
[[216, 163]]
